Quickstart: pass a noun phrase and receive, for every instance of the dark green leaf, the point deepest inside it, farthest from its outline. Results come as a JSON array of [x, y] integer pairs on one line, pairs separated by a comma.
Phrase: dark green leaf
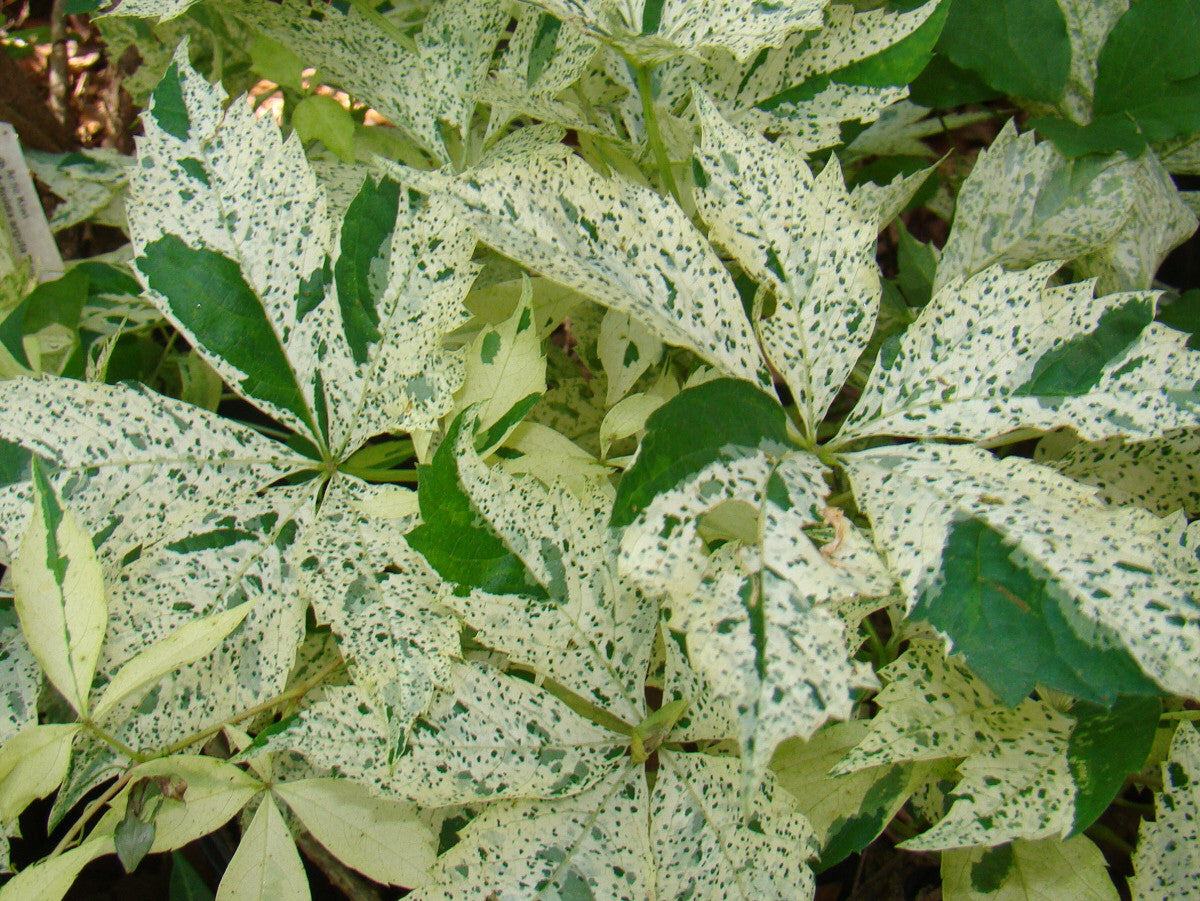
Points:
[[917, 267], [186, 884], [719, 420], [133, 839], [1183, 313], [850, 834], [455, 539], [1148, 71], [1019, 47], [1001, 612], [168, 107], [1109, 134], [1106, 745], [943, 85]]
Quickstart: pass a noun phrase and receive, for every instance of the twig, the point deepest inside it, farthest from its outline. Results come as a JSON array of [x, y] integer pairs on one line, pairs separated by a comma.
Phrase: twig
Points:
[[59, 74]]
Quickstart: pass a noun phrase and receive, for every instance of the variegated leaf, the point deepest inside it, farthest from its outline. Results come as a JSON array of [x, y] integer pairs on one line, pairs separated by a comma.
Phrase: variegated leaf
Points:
[[615, 241], [20, 678], [1088, 25], [1162, 474], [1001, 352], [1046, 870], [1158, 221], [59, 594], [1167, 862], [591, 631], [1025, 202], [979, 545], [1016, 779], [593, 844], [204, 222], [803, 237], [379, 597], [90, 184], [626, 350], [491, 737], [656, 31], [710, 842]]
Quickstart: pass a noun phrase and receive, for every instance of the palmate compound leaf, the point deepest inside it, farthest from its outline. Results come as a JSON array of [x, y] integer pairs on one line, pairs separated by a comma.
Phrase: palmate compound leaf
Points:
[[341, 341], [979, 545], [752, 612], [657, 30], [617, 242], [1001, 351], [1167, 861], [266, 863], [803, 237]]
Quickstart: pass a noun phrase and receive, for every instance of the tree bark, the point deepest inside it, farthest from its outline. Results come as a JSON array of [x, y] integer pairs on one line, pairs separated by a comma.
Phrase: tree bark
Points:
[[22, 105]]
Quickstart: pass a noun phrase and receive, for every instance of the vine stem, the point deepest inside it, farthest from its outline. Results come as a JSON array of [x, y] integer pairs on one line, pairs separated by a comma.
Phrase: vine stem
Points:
[[89, 812], [653, 133], [1181, 715]]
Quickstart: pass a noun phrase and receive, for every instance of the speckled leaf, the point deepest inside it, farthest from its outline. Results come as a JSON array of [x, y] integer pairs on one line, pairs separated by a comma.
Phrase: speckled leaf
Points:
[[1048, 870], [977, 545], [1016, 782], [505, 364], [185, 645], [710, 844], [1167, 862], [90, 184], [204, 220], [148, 9], [1002, 352], [382, 839], [213, 562], [1158, 221], [20, 677], [591, 632], [378, 597], [266, 863], [656, 30], [626, 350], [490, 737], [617, 242], [1024, 202], [1162, 475], [1088, 25], [803, 237], [139, 464], [59, 594], [595, 845]]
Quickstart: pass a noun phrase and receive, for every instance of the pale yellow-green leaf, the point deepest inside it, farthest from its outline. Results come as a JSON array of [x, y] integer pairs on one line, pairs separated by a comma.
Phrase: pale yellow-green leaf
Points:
[[319, 117], [552, 457], [504, 364], [58, 591], [185, 645], [804, 238], [266, 863], [216, 791], [380, 838], [49, 880], [1126, 577], [829, 802], [619, 243], [32, 764], [628, 417], [1048, 870], [1167, 862]]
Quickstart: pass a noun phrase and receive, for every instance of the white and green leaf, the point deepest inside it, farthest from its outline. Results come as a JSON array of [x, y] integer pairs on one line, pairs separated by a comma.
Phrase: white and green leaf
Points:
[[1168, 852]]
